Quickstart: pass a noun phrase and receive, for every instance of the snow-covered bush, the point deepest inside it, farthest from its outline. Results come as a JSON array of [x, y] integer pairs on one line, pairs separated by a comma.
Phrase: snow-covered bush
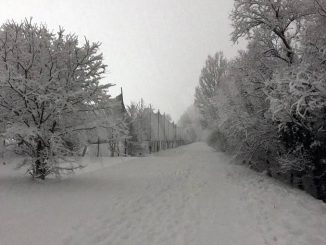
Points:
[[218, 140]]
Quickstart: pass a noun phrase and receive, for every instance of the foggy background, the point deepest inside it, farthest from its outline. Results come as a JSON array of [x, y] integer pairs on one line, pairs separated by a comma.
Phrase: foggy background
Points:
[[154, 49]]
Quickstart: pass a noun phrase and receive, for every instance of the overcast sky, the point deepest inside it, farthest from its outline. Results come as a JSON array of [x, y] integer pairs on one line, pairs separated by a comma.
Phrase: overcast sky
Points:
[[154, 49]]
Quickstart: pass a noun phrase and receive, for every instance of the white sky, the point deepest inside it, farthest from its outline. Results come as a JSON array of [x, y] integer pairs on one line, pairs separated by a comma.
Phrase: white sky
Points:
[[154, 49]]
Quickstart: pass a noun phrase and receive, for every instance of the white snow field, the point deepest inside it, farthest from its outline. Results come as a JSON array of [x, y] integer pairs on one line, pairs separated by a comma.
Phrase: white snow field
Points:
[[190, 195]]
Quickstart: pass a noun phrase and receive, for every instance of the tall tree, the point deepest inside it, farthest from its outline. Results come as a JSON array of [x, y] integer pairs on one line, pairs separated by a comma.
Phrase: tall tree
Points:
[[211, 76], [47, 82]]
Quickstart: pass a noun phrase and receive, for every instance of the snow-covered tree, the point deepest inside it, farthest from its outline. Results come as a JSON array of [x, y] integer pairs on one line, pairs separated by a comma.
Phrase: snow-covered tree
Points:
[[321, 7], [298, 103], [47, 83], [210, 78], [139, 123], [191, 125], [275, 23]]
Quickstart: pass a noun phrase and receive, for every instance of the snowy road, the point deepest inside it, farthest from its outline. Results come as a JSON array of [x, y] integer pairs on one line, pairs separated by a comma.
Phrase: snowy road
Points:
[[190, 195]]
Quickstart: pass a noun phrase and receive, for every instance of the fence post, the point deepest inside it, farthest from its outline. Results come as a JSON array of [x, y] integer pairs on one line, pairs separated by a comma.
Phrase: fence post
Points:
[[175, 132], [168, 136], [158, 130], [176, 135], [164, 136], [150, 129]]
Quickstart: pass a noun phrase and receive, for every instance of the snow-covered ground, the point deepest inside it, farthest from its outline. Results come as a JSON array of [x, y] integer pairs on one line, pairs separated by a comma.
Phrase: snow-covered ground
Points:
[[184, 196]]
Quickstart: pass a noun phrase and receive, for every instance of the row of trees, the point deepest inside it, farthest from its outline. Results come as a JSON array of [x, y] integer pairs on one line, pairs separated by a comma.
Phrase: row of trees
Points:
[[268, 105], [50, 92]]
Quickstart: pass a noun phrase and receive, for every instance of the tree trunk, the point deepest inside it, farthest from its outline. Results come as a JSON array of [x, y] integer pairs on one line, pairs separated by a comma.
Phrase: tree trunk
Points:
[[98, 147], [319, 182], [84, 150], [40, 170]]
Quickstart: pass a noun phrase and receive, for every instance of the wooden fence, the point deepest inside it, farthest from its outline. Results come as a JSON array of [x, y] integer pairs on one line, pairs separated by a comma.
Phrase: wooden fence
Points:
[[154, 132]]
